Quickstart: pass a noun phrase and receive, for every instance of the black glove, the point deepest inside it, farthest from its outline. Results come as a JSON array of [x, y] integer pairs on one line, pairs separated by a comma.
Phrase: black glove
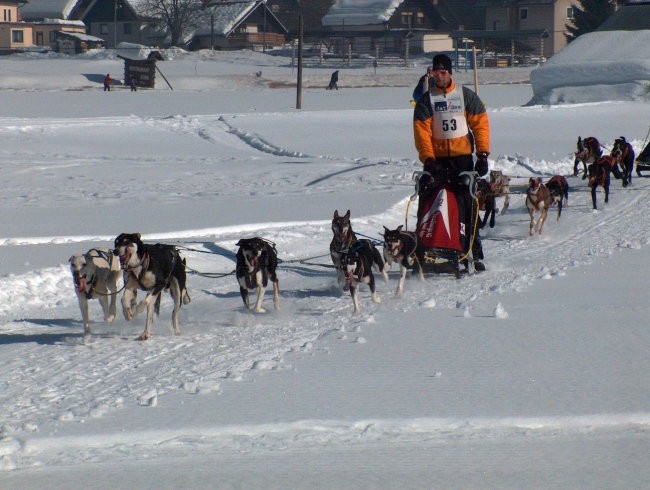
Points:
[[481, 165], [425, 182], [437, 170]]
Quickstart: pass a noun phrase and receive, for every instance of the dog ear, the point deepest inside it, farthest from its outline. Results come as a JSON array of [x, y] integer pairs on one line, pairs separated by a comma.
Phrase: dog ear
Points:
[[239, 243], [336, 213], [347, 215], [399, 228], [138, 236]]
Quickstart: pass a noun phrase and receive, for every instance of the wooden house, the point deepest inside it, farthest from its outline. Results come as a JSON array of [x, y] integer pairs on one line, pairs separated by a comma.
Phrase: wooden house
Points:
[[387, 27], [247, 24]]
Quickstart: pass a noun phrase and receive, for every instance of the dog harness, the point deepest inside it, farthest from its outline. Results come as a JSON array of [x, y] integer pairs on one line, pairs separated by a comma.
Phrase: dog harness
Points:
[[108, 257]]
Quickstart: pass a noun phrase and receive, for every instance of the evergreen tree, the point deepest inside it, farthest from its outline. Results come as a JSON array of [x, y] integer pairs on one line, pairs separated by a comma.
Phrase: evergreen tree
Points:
[[588, 16]]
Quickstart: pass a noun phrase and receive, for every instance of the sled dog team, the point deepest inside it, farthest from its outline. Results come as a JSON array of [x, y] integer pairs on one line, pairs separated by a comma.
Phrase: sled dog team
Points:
[[155, 268]]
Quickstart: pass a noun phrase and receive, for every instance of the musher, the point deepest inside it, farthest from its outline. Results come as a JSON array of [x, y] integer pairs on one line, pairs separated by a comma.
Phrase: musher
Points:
[[449, 127]]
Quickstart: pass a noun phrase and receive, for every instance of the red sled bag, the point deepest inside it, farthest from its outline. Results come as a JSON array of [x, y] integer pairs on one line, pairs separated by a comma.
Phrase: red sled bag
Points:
[[440, 225]]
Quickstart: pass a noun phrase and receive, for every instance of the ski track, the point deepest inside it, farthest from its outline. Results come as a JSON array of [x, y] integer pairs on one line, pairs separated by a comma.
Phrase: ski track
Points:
[[108, 370], [241, 147]]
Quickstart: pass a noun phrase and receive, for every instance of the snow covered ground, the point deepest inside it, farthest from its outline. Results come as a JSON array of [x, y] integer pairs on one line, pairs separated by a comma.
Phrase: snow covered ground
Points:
[[533, 374]]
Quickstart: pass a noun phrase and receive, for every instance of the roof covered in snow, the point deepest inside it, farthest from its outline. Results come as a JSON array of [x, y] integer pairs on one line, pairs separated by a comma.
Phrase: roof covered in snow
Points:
[[40, 9], [131, 51], [360, 12], [82, 37], [227, 16]]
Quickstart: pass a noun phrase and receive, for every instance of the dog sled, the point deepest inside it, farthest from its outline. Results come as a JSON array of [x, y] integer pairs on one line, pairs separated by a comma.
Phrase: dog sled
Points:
[[643, 160], [443, 227]]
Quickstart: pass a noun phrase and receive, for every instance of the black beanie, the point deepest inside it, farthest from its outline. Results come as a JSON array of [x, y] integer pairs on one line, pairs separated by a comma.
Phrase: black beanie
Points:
[[442, 62]]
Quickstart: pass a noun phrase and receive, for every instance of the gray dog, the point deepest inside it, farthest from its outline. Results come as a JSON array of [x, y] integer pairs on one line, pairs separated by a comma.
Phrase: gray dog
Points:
[[96, 274]]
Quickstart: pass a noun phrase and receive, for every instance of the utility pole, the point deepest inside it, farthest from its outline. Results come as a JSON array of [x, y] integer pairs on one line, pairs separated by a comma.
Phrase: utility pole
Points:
[[299, 81], [115, 24], [264, 30]]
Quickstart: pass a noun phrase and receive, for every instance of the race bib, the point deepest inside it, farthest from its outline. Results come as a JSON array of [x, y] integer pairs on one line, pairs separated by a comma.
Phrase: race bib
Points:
[[448, 115]]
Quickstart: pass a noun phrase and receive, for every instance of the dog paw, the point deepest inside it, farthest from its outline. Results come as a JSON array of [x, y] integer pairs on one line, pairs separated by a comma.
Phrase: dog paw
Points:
[[109, 318], [143, 336], [260, 309], [376, 298], [128, 314]]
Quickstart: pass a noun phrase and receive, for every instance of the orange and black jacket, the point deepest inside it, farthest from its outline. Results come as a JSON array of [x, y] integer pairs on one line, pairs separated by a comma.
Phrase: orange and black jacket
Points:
[[477, 140]]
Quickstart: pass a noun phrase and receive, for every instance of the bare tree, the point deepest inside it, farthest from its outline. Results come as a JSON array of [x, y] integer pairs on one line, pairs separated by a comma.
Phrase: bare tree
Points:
[[175, 16]]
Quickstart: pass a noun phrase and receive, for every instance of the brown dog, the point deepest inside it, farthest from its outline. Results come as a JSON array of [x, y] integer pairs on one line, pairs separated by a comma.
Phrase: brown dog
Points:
[[500, 187], [559, 189], [538, 199]]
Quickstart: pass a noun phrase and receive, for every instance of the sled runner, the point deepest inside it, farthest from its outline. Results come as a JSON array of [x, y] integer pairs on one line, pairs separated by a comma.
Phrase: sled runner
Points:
[[443, 228]]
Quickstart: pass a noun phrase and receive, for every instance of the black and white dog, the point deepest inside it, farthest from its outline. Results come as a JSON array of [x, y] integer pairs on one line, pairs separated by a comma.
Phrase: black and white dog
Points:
[[96, 274], [343, 239], [151, 268], [403, 248], [257, 261], [356, 266]]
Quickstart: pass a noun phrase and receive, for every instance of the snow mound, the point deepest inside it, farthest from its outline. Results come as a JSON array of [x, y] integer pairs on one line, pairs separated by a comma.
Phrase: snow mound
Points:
[[602, 65]]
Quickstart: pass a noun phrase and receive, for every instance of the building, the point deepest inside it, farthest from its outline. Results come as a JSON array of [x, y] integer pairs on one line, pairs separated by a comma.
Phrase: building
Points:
[[520, 31], [15, 35], [113, 21], [386, 28], [247, 24]]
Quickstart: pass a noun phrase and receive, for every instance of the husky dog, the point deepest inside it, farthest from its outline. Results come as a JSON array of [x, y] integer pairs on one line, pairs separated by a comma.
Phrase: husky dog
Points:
[[343, 239], [538, 199], [356, 266], [558, 186], [403, 248], [96, 274], [151, 268], [257, 262], [500, 187]]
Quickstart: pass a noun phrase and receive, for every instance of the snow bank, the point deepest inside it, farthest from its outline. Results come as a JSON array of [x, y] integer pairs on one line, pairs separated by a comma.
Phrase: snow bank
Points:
[[603, 65]]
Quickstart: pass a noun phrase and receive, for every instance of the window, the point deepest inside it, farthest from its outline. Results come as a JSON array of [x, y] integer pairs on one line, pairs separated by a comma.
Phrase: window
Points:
[[7, 15], [523, 13], [569, 13], [406, 18], [16, 36], [275, 9], [103, 28], [52, 36], [420, 18], [127, 28]]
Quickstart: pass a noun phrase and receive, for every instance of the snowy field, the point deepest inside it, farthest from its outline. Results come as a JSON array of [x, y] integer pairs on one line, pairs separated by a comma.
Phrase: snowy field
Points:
[[533, 374]]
